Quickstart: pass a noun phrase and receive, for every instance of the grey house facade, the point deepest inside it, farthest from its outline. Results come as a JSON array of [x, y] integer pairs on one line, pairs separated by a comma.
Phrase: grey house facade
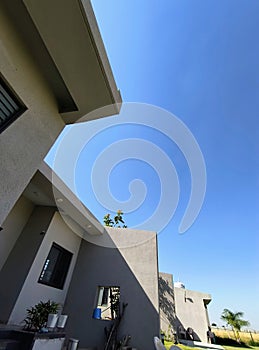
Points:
[[55, 78], [182, 308], [100, 258], [54, 71]]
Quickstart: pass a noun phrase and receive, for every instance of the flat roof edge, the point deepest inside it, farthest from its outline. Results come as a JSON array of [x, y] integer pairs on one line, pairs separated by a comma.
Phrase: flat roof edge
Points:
[[93, 226], [97, 42]]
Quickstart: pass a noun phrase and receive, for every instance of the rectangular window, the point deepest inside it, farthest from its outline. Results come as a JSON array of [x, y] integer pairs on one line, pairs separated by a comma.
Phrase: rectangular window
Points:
[[108, 303], [56, 267], [10, 106]]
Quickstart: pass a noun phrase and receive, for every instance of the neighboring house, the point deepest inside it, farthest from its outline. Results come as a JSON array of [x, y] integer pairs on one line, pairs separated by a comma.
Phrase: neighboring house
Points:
[[181, 309], [54, 71]]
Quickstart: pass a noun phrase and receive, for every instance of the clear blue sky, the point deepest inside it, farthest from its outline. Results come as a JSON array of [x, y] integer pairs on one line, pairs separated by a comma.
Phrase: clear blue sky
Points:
[[200, 61]]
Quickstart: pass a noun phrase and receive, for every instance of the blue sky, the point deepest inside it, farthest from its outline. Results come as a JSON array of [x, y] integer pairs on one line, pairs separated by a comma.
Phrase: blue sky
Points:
[[199, 61]]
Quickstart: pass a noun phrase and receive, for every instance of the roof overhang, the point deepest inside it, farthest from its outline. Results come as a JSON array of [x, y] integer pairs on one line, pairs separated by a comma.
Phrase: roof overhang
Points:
[[64, 39], [207, 299], [47, 189]]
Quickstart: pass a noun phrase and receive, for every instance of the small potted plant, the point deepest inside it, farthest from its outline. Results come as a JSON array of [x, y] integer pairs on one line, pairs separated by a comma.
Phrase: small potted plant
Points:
[[37, 316]]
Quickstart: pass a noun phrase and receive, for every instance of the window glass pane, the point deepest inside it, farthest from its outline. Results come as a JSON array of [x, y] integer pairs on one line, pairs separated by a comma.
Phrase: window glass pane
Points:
[[56, 267], [49, 265], [8, 100], [10, 106]]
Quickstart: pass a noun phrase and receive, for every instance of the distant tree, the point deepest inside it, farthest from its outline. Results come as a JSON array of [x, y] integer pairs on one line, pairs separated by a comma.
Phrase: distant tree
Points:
[[234, 320]]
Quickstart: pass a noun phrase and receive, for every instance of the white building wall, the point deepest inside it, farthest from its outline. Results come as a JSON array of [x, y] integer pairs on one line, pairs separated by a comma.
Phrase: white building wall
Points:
[[33, 292]]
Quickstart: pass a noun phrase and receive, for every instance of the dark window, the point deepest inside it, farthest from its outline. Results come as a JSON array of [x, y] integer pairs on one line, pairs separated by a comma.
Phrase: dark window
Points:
[[10, 106], [56, 267]]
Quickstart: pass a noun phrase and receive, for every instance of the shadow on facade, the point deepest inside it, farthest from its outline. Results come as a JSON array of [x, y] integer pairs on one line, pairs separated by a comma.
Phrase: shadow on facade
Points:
[[100, 266], [172, 326]]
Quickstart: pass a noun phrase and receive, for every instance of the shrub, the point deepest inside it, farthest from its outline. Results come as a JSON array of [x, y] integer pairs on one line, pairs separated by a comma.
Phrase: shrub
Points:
[[37, 316]]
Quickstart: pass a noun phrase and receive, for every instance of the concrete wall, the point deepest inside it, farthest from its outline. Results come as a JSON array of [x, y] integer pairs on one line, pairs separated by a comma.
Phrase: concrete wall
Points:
[[132, 268], [191, 311], [182, 307], [27, 140], [20, 260], [32, 292], [168, 319], [13, 226]]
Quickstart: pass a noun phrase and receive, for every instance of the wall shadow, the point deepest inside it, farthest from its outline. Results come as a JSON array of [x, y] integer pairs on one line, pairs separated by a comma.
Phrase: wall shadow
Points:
[[100, 266], [175, 327]]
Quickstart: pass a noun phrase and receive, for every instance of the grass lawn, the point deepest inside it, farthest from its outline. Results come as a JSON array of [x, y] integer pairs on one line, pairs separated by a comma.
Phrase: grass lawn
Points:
[[239, 348], [184, 347]]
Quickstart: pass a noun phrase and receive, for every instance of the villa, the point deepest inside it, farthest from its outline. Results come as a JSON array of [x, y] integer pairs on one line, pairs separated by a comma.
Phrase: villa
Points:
[[54, 72]]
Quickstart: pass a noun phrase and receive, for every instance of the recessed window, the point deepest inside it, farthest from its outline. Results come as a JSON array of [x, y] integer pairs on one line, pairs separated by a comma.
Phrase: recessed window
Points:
[[108, 303], [10, 106], [56, 267]]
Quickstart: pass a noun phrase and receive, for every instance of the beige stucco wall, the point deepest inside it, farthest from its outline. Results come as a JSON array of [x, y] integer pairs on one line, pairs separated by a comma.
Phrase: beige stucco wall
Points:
[[191, 312], [141, 258], [32, 292], [26, 141], [13, 226], [134, 269]]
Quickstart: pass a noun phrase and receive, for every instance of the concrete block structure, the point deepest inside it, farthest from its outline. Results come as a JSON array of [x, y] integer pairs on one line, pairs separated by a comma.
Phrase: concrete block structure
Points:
[[182, 308]]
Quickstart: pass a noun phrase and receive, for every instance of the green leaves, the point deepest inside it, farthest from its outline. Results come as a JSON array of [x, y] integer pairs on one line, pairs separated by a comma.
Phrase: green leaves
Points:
[[37, 315], [234, 320], [116, 221]]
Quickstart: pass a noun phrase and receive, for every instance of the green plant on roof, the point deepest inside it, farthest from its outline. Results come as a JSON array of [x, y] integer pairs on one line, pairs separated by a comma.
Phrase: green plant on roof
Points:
[[116, 221]]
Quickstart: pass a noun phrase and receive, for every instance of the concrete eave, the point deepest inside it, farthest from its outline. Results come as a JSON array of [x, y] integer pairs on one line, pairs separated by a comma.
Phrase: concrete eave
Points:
[[47, 189], [64, 40], [70, 33]]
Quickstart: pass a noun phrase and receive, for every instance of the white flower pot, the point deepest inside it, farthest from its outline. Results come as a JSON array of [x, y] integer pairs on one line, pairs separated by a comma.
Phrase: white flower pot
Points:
[[52, 320], [62, 319]]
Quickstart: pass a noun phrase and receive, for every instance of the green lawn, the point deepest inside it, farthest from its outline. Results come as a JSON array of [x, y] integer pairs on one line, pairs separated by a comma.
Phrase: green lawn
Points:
[[239, 348], [184, 347]]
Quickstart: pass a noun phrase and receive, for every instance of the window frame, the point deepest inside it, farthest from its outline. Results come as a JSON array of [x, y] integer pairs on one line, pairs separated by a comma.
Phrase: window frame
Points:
[[64, 261], [108, 301]]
